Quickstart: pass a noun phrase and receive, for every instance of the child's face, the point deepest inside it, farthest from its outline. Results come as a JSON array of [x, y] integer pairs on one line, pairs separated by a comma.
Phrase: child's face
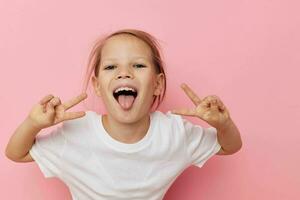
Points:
[[126, 62]]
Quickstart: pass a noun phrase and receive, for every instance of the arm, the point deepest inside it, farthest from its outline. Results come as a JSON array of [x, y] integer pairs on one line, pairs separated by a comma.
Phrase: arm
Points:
[[212, 110], [21, 142], [48, 112], [229, 138]]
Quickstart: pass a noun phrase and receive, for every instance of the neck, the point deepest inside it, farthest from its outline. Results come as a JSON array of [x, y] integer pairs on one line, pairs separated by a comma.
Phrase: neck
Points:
[[126, 133]]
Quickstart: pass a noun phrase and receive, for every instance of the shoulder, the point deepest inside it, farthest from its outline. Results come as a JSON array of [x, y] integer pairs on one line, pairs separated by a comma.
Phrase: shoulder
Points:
[[81, 120], [178, 123], [80, 130], [167, 116], [168, 119], [79, 124]]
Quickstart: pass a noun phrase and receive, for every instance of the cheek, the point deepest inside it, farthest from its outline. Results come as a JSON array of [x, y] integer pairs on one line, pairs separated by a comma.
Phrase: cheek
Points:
[[148, 81], [104, 83], [103, 77], [149, 78], [149, 86]]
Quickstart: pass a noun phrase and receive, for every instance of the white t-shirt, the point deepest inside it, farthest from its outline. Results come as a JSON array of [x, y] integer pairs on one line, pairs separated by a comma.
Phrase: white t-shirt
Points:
[[95, 166]]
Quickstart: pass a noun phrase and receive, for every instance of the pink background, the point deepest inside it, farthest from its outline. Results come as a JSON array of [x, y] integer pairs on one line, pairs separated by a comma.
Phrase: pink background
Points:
[[246, 52]]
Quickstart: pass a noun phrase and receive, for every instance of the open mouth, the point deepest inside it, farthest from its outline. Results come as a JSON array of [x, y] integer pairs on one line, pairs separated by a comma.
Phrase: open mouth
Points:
[[125, 96]]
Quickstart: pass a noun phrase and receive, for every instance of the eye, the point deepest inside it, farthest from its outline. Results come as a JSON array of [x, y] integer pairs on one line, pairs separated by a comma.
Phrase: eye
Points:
[[139, 65], [109, 67]]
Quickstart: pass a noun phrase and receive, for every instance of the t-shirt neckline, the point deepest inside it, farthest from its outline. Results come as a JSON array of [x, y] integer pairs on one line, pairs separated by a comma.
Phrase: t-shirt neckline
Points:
[[121, 146]]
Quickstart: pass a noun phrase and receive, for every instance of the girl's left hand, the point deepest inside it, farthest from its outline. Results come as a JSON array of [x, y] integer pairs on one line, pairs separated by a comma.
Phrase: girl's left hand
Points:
[[210, 109]]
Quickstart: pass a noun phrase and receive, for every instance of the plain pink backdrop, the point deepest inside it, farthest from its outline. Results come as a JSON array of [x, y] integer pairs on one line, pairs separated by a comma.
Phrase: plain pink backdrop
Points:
[[245, 52]]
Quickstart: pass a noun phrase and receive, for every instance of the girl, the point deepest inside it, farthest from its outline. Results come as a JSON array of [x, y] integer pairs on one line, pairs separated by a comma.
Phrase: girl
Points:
[[130, 152]]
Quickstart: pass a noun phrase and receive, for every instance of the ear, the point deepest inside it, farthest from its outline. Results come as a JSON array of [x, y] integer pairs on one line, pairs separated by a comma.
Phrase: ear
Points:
[[96, 86], [159, 84]]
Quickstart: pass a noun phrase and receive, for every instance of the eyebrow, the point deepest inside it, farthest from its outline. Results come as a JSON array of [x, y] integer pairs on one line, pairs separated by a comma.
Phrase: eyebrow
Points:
[[113, 59]]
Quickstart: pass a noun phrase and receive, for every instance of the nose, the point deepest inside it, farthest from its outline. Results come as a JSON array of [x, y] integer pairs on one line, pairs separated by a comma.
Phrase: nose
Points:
[[123, 76], [124, 73]]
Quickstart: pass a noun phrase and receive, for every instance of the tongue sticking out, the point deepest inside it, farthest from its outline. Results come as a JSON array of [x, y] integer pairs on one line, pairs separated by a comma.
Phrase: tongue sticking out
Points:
[[126, 101]]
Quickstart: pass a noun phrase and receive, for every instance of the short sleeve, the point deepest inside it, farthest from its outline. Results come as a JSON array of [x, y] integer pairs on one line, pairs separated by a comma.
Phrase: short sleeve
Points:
[[47, 151], [201, 143]]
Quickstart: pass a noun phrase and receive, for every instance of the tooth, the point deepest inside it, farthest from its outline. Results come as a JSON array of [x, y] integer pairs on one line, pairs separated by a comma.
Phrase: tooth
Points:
[[124, 88]]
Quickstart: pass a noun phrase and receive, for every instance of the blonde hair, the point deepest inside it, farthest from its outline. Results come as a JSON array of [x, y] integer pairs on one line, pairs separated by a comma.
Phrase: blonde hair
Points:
[[95, 57]]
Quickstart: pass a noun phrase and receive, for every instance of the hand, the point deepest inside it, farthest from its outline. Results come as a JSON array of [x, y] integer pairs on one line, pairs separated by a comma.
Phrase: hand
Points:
[[49, 111], [210, 109]]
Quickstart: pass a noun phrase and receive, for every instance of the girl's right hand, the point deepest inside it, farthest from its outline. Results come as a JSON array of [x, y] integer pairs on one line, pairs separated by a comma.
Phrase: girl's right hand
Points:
[[49, 111]]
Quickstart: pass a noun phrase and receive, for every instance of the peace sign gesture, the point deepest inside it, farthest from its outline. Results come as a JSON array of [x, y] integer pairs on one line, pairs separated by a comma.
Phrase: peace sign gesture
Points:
[[210, 109], [50, 111]]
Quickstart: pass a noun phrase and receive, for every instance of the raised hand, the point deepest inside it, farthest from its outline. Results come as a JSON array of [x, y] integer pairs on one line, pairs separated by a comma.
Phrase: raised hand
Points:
[[210, 109], [50, 111]]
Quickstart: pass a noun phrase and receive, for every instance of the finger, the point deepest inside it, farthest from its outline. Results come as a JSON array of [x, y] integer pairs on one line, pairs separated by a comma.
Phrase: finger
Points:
[[74, 115], [213, 103], [214, 106], [221, 105], [75, 101], [59, 111], [46, 99], [49, 108], [55, 101], [44, 108], [205, 103], [216, 103], [184, 111], [210, 100], [192, 95]]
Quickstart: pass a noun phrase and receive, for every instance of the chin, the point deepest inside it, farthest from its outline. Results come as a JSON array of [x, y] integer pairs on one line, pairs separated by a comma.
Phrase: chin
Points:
[[128, 117]]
